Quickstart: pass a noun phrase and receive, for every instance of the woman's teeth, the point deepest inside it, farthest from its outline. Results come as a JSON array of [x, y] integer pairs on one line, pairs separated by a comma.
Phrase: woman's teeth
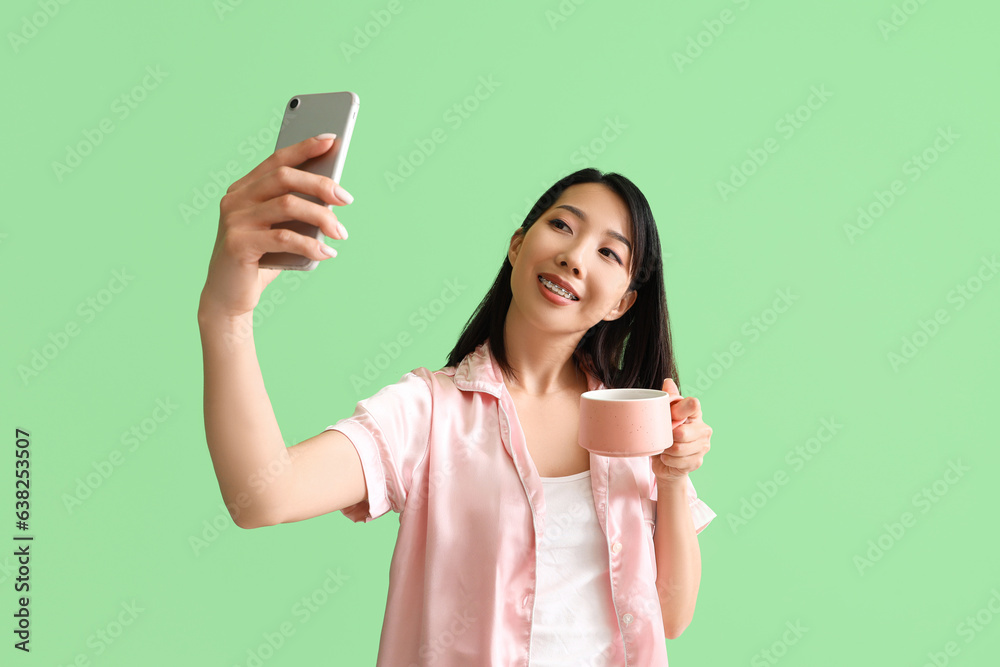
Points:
[[552, 287]]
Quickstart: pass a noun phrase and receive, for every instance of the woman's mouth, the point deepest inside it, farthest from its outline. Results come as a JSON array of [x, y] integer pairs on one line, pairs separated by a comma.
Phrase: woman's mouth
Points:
[[554, 289]]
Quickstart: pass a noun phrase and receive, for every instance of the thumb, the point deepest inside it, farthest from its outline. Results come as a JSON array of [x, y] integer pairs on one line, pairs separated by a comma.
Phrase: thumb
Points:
[[670, 386]]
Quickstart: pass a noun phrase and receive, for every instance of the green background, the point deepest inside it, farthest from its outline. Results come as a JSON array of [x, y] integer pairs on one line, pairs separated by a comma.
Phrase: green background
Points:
[[786, 545]]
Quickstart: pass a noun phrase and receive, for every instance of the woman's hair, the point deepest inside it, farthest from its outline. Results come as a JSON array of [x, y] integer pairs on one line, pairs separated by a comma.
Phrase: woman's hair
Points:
[[631, 351]]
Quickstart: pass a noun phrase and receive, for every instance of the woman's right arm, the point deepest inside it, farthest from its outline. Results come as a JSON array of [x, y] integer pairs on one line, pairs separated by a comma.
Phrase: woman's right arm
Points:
[[262, 481]]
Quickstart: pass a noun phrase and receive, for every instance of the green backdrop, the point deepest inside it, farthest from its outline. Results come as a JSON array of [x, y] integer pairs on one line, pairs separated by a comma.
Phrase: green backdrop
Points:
[[823, 177]]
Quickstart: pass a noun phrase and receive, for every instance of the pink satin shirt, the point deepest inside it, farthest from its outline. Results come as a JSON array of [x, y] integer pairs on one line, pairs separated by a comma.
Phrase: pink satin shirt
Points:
[[445, 450]]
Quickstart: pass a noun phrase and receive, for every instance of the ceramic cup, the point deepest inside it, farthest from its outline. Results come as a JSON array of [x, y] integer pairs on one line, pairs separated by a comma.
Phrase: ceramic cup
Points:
[[627, 422]]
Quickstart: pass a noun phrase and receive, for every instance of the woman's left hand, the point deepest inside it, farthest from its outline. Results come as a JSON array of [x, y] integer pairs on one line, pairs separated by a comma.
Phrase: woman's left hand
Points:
[[691, 439]]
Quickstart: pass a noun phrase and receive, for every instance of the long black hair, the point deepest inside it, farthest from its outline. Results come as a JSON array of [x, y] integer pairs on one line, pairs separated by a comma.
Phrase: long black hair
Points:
[[632, 351]]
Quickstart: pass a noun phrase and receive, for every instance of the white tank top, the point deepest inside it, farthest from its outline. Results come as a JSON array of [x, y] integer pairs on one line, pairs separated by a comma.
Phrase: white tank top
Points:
[[574, 612]]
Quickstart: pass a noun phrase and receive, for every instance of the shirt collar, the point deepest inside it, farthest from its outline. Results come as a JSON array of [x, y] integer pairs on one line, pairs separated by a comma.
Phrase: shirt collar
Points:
[[479, 371]]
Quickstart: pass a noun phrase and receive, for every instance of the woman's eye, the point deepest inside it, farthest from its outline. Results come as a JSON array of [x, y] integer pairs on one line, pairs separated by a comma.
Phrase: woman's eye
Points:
[[557, 221], [613, 254]]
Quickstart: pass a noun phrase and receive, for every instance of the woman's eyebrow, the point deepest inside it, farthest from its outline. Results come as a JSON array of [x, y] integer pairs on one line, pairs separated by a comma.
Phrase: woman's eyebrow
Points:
[[607, 232]]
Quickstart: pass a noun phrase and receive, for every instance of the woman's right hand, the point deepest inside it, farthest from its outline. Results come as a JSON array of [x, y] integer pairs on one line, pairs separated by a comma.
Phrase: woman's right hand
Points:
[[249, 208]]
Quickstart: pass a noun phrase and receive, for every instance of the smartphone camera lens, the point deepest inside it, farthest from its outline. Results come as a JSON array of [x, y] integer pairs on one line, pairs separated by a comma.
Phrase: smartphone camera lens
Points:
[[294, 103]]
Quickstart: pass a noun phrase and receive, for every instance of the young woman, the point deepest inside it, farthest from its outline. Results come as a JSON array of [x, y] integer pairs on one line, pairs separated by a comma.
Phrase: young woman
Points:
[[516, 546]]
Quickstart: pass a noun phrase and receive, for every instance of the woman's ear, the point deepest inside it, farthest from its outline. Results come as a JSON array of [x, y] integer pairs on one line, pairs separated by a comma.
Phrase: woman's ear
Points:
[[623, 305], [516, 239]]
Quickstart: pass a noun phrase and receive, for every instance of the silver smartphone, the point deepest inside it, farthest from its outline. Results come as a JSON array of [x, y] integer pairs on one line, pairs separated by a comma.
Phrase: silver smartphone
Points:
[[306, 116]]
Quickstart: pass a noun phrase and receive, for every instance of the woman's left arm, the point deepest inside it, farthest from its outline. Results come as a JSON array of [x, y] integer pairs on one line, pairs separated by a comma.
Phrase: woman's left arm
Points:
[[678, 556]]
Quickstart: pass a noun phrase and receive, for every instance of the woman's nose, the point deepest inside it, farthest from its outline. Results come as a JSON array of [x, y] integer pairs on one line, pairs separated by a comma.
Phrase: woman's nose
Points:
[[572, 261], [573, 266]]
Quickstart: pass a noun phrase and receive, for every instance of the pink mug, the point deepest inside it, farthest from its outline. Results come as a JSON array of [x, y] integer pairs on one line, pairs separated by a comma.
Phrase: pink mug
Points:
[[627, 422]]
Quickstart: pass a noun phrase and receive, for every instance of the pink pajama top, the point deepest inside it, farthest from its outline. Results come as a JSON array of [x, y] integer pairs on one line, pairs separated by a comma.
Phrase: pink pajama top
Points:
[[445, 450]]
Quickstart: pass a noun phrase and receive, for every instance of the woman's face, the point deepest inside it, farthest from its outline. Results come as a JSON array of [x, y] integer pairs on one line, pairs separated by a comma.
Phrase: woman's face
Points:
[[579, 241]]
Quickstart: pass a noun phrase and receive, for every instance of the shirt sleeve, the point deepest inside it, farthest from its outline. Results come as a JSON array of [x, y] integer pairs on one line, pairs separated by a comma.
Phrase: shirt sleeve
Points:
[[391, 432], [701, 513]]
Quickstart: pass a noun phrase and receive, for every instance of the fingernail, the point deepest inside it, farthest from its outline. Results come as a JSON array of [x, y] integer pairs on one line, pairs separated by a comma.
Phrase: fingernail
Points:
[[326, 135], [328, 250], [343, 230], [344, 195]]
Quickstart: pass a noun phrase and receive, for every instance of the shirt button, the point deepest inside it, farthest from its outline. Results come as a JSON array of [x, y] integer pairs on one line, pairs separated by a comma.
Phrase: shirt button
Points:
[[616, 547], [627, 618]]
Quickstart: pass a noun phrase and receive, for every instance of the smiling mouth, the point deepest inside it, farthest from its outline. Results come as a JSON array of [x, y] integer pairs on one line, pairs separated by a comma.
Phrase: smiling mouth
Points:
[[555, 289]]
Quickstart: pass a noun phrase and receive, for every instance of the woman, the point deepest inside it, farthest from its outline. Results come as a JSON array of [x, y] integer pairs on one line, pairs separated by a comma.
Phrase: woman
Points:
[[516, 546]]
